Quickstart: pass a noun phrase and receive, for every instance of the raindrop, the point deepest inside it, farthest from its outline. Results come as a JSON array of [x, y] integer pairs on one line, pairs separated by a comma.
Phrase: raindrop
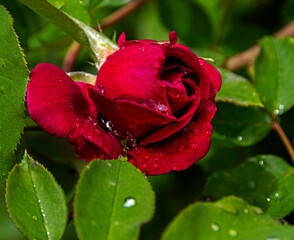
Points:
[[109, 125], [268, 199], [194, 145], [143, 49], [156, 159], [146, 157], [197, 131], [239, 138], [97, 131], [233, 232], [112, 183], [144, 165], [100, 89], [182, 148], [246, 211], [251, 184], [276, 112], [155, 165], [174, 168], [90, 119], [214, 227], [281, 107], [61, 81], [160, 154], [129, 202], [109, 164], [261, 163], [161, 108], [257, 210], [209, 132], [70, 105], [201, 61], [90, 138], [137, 151], [35, 218]]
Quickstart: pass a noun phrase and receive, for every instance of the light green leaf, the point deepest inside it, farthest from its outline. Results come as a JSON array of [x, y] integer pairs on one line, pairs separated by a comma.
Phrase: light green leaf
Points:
[[238, 90], [265, 181], [98, 45], [113, 199], [13, 81], [274, 74], [35, 201], [241, 126], [229, 218]]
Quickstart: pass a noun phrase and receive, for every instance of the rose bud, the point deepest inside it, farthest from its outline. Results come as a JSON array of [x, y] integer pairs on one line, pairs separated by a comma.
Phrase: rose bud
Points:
[[158, 98]]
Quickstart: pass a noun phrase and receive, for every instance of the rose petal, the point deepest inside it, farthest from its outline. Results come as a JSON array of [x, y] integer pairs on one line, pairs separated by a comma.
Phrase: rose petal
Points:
[[63, 108], [178, 151]]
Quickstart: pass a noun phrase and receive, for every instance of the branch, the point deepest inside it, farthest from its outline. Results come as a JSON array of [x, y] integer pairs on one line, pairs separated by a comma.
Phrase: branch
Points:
[[113, 18], [277, 127], [246, 58]]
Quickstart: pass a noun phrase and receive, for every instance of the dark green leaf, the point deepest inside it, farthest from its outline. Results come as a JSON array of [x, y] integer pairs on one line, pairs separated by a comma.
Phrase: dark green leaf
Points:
[[238, 90], [113, 199], [274, 74], [265, 181], [35, 201], [13, 79], [94, 42], [229, 218], [241, 126]]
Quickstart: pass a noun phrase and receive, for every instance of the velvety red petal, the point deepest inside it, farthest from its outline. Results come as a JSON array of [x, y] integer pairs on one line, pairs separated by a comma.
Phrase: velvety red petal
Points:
[[178, 151], [63, 108], [129, 116], [134, 71], [173, 38]]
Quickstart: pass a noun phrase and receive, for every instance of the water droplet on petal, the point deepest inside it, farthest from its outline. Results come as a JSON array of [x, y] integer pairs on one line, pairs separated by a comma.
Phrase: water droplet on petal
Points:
[[160, 154], [194, 145], [214, 227], [197, 131], [137, 150], [90, 119], [155, 165], [78, 125], [174, 168], [61, 81], [146, 157], [233, 232], [90, 138], [144, 165], [70, 105], [109, 125], [156, 159], [129, 202], [97, 131], [201, 61], [182, 148], [143, 49], [35, 218], [100, 89]]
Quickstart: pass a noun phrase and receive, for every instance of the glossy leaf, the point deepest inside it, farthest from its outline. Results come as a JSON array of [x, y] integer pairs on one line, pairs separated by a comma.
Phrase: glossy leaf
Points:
[[229, 218], [241, 126], [113, 199], [265, 181], [13, 81], [274, 74], [94, 42], [238, 90], [35, 201]]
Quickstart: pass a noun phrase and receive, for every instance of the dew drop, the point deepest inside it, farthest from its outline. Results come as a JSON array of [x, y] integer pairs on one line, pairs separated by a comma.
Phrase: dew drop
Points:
[[182, 148], [261, 163], [137, 151], [214, 227], [143, 49], [35, 218], [281, 107], [97, 131], [61, 81], [174, 168], [129, 202], [276, 112], [201, 61], [78, 125], [194, 145], [112, 183], [90, 119], [156, 159], [160, 154], [197, 131], [246, 211], [70, 105], [251, 184], [100, 89], [239, 138], [268, 199], [90, 138], [155, 165], [257, 210], [147, 157], [209, 132], [144, 165], [109, 125], [233, 232]]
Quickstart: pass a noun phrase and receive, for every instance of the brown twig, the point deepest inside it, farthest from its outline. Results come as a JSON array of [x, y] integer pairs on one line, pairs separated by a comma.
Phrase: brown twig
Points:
[[277, 127], [113, 18], [246, 58]]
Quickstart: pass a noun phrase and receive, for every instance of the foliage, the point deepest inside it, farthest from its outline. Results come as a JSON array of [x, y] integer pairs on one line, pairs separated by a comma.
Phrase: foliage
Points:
[[246, 178]]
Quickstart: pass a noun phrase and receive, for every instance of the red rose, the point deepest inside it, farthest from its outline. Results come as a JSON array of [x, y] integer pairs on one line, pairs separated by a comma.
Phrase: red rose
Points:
[[155, 97]]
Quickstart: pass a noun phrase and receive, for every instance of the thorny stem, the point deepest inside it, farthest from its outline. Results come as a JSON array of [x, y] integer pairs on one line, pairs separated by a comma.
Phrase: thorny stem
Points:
[[113, 18], [277, 127], [246, 58]]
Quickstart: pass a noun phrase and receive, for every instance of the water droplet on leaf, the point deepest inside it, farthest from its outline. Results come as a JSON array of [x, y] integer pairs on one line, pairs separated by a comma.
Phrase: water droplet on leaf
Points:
[[214, 227], [233, 232], [129, 202], [182, 148], [35, 218], [197, 131], [194, 145], [61, 81], [239, 138], [144, 165], [155, 165]]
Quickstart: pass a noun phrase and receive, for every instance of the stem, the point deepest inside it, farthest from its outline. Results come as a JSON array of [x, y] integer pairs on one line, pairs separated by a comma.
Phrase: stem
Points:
[[113, 18], [277, 127], [246, 58]]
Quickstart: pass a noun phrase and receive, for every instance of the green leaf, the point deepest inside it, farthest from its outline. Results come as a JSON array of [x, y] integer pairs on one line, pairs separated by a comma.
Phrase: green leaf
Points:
[[113, 199], [241, 126], [75, 8], [35, 201], [229, 218], [274, 74], [238, 90], [94, 42], [265, 181], [13, 79]]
